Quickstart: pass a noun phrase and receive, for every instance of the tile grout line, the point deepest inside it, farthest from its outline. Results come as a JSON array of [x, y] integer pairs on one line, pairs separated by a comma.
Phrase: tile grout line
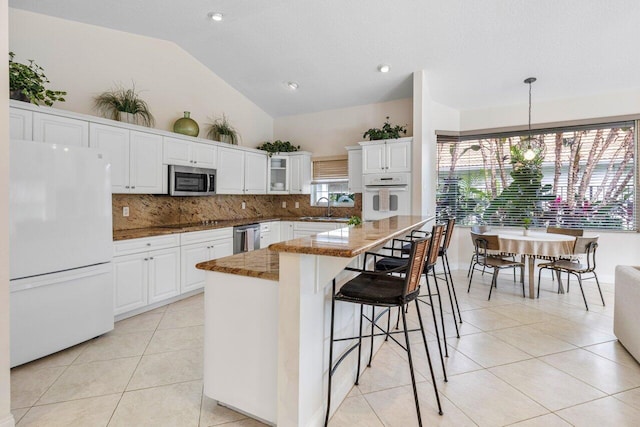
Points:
[[134, 370]]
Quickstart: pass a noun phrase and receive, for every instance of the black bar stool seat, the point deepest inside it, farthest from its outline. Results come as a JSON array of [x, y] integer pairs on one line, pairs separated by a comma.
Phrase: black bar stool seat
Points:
[[374, 289]]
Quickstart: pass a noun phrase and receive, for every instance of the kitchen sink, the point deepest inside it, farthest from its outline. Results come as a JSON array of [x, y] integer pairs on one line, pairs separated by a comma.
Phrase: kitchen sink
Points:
[[325, 218]]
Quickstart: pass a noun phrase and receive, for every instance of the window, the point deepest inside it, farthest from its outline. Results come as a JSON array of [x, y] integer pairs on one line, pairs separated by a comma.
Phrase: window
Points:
[[580, 177], [337, 191], [331, 180]]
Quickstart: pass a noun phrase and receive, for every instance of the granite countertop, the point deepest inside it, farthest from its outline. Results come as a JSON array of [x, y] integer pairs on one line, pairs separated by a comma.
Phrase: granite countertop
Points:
[[349, 242], [345, 242], [137, 233], [262, 263]]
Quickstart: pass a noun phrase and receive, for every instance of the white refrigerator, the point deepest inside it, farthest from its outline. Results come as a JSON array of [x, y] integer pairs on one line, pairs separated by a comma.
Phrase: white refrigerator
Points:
[[60, 248]]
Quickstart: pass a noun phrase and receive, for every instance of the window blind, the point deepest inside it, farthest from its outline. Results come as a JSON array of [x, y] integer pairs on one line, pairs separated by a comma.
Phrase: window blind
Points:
[[330, 168], [578, 177]]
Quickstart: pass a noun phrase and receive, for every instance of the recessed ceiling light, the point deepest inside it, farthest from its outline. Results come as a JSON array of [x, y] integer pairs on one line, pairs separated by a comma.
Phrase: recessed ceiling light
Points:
[[293, 85], [384, 68], [216, 16]]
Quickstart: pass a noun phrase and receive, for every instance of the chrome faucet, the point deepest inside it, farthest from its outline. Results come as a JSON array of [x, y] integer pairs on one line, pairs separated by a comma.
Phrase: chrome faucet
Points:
[[328, 205]]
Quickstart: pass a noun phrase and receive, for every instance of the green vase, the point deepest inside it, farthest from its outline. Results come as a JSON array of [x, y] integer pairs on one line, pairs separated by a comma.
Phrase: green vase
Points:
[[186, 125]]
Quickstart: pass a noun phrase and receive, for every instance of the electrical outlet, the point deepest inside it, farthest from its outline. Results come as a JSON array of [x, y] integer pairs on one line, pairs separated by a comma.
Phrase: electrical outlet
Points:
[[244, 205], [284, 204], [297, 205], [125, 211]]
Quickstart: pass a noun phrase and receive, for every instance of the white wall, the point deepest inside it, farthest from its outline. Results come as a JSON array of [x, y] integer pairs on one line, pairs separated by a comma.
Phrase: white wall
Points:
[[428, 117], [6, 419], [86, 60], [327, 133], [604, 105]]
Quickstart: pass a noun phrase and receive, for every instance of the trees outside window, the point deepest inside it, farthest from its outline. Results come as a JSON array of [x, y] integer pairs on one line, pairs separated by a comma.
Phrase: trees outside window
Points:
[[580, 177]]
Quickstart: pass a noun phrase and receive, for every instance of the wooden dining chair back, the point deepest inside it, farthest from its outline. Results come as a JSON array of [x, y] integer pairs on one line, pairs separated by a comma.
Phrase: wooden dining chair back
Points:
[[577, 232]]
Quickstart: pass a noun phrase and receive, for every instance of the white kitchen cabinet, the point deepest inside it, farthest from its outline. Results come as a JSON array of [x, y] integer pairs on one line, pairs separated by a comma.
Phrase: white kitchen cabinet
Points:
[[216, 244], [286, 230], [241, 172], [60, 130], [278, 171], [114, 142], [300, 176], [355, 169], [145, 163], [146, 271], [305, 229], [20, 124], [255, 173], [130, 277], [135, 157], [269, 233], [164, 274], [188, 153], [386, 156]]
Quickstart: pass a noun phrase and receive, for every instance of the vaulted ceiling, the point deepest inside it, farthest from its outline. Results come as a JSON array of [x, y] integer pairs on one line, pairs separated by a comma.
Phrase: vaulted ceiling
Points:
[[476, 53]]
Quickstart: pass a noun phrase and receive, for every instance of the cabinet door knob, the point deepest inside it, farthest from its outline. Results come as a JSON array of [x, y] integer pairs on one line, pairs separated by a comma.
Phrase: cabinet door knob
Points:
[[126, 186], [148, 244], [151, 258], [133, 186], [146, 259]]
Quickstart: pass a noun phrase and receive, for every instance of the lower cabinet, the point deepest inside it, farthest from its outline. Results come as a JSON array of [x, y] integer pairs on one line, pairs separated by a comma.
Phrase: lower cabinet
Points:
[[192, 278], [145, 278], [305, 229]]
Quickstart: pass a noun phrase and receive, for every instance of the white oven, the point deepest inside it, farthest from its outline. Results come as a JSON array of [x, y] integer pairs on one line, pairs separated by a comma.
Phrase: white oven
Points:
[[385, 195]]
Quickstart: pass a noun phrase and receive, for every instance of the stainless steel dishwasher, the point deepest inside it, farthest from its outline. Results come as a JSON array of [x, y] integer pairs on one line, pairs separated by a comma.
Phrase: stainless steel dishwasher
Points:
[[246, 238]]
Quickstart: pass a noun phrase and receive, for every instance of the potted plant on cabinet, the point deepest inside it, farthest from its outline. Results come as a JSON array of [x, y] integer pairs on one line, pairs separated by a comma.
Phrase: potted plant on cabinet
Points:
[[386, 132], [278, 146], [26, 83], [124, 105], [221, 130]]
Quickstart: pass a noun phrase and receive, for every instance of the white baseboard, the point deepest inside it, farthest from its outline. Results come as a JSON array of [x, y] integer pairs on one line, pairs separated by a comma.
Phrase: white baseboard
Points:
[[8, 421]]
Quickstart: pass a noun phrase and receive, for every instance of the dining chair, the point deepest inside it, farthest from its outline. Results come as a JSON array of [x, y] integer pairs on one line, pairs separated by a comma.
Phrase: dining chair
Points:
[[483, 229], [576, 232], [384, 289], [483, 244], [584, 246]]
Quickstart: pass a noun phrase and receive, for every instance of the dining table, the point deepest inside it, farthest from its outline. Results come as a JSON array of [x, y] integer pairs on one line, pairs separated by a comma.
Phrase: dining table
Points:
[[535, 244]]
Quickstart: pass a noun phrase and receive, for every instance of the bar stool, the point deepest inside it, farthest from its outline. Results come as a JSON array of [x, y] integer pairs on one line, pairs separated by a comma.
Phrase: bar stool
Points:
[[383, 289], [387, 262]]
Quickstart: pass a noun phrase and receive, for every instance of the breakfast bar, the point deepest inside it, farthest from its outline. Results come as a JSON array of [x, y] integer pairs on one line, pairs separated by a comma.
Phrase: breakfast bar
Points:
[[267, 322]]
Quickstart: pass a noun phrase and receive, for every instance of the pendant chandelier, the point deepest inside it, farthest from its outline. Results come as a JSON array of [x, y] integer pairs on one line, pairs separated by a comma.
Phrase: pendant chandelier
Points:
[[529, 154]]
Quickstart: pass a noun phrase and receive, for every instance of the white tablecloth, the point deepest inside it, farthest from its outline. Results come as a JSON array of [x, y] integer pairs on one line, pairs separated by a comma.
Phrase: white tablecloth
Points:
[[536, 243]]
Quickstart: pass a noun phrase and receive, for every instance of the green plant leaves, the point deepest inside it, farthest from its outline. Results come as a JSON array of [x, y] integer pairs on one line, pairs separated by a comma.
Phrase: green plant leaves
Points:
[[30, 81], [386, 132], [277, 146]]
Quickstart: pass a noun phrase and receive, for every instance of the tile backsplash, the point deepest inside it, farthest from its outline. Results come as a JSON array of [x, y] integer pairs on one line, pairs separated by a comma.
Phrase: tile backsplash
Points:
[[152, 211]]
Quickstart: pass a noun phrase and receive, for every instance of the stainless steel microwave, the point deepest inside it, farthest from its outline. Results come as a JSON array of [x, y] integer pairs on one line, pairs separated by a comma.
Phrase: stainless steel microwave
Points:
[[188, 181]]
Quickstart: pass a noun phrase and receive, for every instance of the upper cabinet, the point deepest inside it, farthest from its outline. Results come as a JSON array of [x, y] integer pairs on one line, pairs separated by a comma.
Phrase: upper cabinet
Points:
[[135, 157], [189, 153], [241, 172], [386, 156], [60, 130], [278, 175], [20, 124], [355, 168], [300, 175]]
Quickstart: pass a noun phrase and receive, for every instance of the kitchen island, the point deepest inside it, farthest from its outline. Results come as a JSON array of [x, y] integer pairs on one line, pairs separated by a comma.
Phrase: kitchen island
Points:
[[267, 322]]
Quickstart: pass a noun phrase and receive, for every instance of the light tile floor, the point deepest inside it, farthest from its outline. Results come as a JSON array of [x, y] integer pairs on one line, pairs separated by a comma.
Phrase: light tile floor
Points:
[[520, 362]]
